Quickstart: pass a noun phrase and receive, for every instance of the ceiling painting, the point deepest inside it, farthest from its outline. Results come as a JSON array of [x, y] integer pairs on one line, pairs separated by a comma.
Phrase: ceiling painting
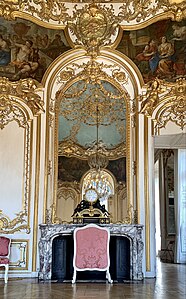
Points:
[[158, 50], [26, 49]]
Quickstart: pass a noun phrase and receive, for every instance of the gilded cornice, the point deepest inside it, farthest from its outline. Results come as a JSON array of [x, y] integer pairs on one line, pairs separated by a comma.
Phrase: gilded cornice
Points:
[[65, 12], [168, 100]]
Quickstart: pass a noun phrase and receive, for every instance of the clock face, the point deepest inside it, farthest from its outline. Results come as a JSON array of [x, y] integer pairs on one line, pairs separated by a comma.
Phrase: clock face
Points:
[[91, 195]]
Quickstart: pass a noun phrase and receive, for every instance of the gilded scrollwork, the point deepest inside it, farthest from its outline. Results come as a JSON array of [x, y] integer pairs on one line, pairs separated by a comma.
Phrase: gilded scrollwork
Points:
[[93, 25], [46, 10], [7, 7], [169, 101], [110, 104], [9, 226], [26, 90], [174, 109], [140, 10], [70, 149], [176, 7]]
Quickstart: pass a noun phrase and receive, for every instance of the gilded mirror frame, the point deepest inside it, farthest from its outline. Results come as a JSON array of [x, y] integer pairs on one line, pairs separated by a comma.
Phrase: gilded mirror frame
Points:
[[127, 150]]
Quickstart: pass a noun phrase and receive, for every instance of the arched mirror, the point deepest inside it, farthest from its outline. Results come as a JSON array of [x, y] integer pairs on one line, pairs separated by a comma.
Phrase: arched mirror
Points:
[[91, 121]]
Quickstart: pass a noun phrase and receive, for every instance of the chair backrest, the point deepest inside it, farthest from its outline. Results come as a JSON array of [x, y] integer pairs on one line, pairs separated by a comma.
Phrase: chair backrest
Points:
[[91, 248], [4, 246]]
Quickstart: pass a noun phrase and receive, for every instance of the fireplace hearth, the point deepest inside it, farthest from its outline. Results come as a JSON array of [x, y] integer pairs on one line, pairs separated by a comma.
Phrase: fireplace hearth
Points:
[[56, 252]]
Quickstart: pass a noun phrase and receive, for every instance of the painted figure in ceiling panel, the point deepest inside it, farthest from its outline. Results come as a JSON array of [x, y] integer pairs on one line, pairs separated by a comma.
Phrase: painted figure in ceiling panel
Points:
[[158, 50], [26, 49]]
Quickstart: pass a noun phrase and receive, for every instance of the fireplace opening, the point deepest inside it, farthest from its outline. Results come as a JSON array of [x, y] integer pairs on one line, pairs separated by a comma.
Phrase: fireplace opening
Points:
[[62, 260]]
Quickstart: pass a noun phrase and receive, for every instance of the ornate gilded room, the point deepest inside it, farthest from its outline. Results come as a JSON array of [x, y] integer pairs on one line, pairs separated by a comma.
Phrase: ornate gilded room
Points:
[[93, 135]]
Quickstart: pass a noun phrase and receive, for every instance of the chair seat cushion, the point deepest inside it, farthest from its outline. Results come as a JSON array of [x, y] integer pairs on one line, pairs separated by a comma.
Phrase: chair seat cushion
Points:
[[4, 260], [4, 243]]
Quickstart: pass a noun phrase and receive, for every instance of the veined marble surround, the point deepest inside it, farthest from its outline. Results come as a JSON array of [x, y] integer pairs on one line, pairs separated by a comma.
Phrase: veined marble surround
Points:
[[50, 231]]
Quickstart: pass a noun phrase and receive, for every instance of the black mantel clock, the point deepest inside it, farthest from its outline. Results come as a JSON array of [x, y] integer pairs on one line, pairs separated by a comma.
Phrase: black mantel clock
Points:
[[90, 210]]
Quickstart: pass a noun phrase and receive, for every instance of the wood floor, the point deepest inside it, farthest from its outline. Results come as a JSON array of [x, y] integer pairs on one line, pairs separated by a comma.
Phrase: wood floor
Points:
[[170, 283]]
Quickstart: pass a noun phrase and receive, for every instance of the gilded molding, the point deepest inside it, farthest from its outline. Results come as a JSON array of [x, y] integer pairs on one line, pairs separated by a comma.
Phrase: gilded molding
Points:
[[71, 149], [26, 91], [93, 23], [169, 99], [129, 219], [66, 186], [22, 261], [134, 167], [176, 7], [19, 102], [173, 108]]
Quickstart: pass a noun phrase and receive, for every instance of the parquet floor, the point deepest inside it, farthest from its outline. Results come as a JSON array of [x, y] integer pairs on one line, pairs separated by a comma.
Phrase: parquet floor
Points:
[[170, 283]]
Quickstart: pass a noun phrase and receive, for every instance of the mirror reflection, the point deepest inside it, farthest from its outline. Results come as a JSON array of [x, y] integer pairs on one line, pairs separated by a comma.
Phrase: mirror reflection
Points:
[[92, 148]]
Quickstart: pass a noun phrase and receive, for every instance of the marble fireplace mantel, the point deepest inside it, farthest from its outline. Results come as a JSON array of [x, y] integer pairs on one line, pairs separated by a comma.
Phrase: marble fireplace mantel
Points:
[[50, 231]]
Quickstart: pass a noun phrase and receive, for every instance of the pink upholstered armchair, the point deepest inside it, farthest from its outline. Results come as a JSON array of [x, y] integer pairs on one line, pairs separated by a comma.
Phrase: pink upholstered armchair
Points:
[[4, 255], [91, 250]]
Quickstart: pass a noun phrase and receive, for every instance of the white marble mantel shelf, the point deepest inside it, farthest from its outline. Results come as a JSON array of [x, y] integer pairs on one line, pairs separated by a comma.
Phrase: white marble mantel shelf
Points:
[[50, 231]]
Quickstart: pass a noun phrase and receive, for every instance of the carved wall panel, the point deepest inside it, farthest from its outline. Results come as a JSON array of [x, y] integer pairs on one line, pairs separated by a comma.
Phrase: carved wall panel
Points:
[[19, 254], [17, 109]]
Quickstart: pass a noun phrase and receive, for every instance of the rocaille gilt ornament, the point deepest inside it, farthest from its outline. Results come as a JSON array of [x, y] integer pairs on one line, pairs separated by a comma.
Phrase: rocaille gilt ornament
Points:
[[169, 99], [93, 25], [174, 106], [70, 149], [58, 11], [151, 98], [26, 90], [7, 7], [110, 104], [140, 10]]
